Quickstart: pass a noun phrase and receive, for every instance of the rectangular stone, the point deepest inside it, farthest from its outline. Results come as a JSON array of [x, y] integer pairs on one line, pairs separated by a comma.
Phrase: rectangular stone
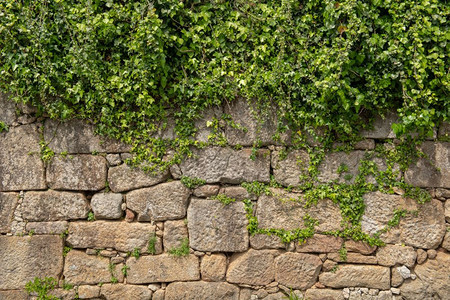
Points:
[[201, 290], [126, 292], [80, 268], [8, 203], [320, 244], [162, 268], [13, 295], [374, 277], [353, 258], [287, 170], [47, 227], [23, 258], [125, 178]]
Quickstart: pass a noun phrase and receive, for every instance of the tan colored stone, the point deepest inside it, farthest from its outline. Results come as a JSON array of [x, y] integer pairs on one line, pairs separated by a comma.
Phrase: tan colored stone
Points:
[[396, 277], [166, 201], [20, 165], [125, 292], [264, 241], [125, 178], [13, 295], [201, 290], [375, 277], [22, 258], [77, 172], [159, 295], [446, 241], [237, 192], [8, 203], [328, 265], [47, 227], [354, 258], [216, 227], [207, 190], [421, 256], [276, 296], [320, 244], [107, 205], [297, 270], [391, 255], [175, 232], [88, 291], [80, 268], [367, 144], [324, 294], [254, 267], [287, 170], [63, 294], [447, 211], [54, 206], [360, 247], [162, 268], [121, 236], [213, 267]]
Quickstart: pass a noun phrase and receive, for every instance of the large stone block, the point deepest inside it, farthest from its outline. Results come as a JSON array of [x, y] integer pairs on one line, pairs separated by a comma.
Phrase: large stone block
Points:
[[125, 292], [353, 258], [8, 111], [264, 241], [288, 170], [201, 290], [333, 161], [13, 295], [424, 230], [80, 268], [382, 127], [77, 136], [216, 164], [432, 170], [79, 172], [255, 267], [175, 232], [208, 115], [297, 270], [213, 267], [391, 255], [8, 203], [166, 201], [122, 236], [324, 294], [216, 227], [374, 277], [20, 165], [162, 268], [23, 258], [54, 206], [320, 244], [57, 227], [125, 178], [107, 205]]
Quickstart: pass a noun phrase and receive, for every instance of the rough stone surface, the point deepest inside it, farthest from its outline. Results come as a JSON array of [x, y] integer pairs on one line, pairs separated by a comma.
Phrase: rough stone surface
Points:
[[424, 230], [201, 124], [237, 192], [320, 244], [80, 268], [201, 290], [367, 144], [23, 258], [175, 232], [8, 203], [107, 205], [88, 291], [13, 295], [113, 159], [297, 270], [207, 190], [446, 242], [354, 258], [125, 178], [444, 130], [360, 247], [391, 255], [213, 267], [166, 201], [8, 111], [324, 294], [125, 292], [20, 165], [288, 170], [264, 241], [77, 136], [422, 256], [382, 127], [279, 211], [447, 211], [255, 267], [226, 165], [328, 169], [78, 172], [375, 277], [122, 236], [432, 171], [57, 227], [217, 228], [162, 268], [54, 206], [396, 278]]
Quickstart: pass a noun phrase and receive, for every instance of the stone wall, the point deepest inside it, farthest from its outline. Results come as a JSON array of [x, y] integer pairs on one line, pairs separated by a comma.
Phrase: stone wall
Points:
[[105, 230]]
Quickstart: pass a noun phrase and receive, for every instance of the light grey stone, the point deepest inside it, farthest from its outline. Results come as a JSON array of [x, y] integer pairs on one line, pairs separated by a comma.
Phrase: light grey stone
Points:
[[207, 190], [124, 178], [8, 203], [288, 170], [166, 201], [237, 192], [125, 292], [382, 127], [264, 241], [57, 227], [175, 232], [390, 255], [80, 268], [216, 227], [8, 111], [404, 272], [107, 205], [254, 267], [444, 130], [20, 165], [375, 277], [201, 124], [201, 290], [54, 206], [329, 167], [113, 159], [297, 270], [216, 164], [367, 144]]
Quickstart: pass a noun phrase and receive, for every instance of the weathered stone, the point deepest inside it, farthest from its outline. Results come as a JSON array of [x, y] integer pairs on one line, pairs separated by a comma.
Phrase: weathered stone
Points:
[[13, 295], [360, 247], [367, 144], [207, 115], [217, 164], [276, 296], [320, 244], [287, 170], [166, 201], [434, 169], [446, 241], [207, 190], [331, 166], [162, 268], [129, 215], [264, 241], [124, 178], [375, 277], [88, 291], [107, 205], [159, 295], [20, 165], [23, 258], [77, 136], [297, 270], [442, 193], [113, 159], [353, 258], [175, 232], [122, 236], [391, 255], [63, 294], [444, 130], [216, 227], [324, 294], [80, 268], [8, 111], [201, 290], [47, 227], [328, 265], [237, 192], [447, 211], [213, 267], [286, 211], [404, 272], [125, 292], [78, 172], [255, 267], [421, 256], [54, 206], [424, 230], [396, 277], [8, 203], [382, 127]]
